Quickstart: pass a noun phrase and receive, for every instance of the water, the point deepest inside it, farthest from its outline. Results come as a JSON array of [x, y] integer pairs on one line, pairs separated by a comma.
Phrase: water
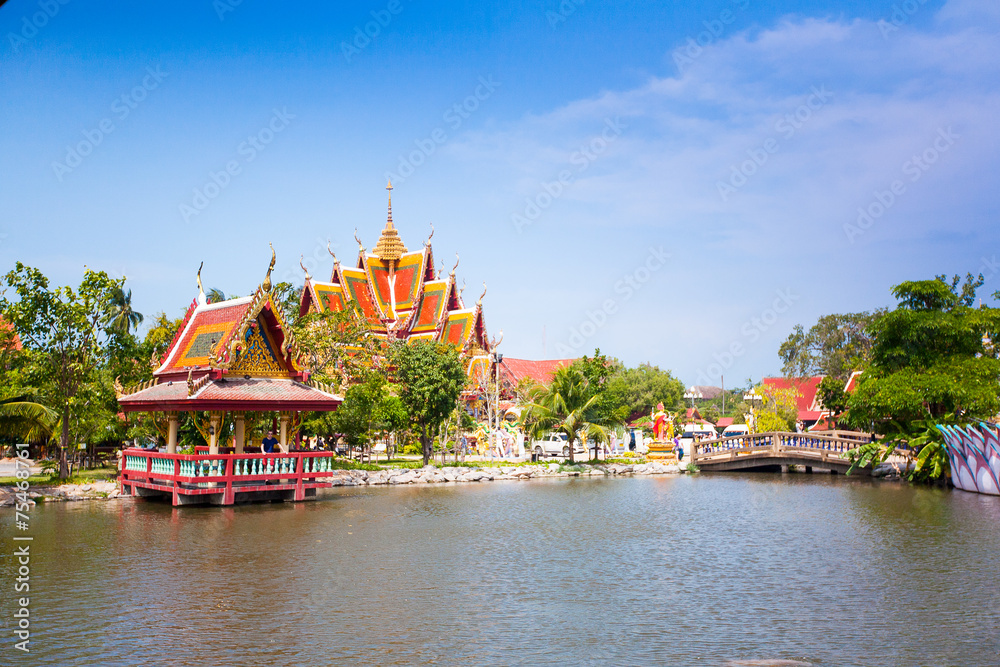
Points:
[[705, 570]]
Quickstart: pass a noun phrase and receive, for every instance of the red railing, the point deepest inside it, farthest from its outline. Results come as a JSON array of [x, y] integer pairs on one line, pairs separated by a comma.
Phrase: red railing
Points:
[[194, 474]]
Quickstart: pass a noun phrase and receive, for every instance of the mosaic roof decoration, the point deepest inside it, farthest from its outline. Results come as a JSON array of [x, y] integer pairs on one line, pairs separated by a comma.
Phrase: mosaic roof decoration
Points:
[[397, 293], [236, 354]]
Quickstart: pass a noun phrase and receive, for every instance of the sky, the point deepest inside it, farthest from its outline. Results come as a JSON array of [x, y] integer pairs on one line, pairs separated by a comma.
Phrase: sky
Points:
[[675, 183]]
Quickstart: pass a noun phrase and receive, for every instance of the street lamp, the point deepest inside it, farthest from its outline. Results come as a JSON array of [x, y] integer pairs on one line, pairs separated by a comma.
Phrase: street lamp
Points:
[[752, 396], [693, 393]]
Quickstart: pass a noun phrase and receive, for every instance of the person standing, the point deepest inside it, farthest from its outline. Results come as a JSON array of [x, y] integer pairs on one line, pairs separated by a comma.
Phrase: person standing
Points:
[[268, 444]]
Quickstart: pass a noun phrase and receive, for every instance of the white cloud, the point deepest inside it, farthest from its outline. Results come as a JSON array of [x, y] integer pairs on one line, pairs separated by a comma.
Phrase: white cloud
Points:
[[891, 95]]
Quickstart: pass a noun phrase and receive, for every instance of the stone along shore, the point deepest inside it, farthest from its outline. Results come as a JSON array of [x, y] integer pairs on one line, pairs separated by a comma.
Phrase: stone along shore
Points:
[[387, 476]]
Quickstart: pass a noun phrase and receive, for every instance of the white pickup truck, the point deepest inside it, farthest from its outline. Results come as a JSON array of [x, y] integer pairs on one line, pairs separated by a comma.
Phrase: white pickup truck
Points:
[[555, 445]]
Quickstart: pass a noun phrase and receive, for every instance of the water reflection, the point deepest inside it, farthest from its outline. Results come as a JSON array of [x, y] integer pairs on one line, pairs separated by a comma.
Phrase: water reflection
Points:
[[740, 570]]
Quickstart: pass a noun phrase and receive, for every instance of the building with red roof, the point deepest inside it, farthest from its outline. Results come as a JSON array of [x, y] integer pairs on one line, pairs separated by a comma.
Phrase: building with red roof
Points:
[[401, 296]]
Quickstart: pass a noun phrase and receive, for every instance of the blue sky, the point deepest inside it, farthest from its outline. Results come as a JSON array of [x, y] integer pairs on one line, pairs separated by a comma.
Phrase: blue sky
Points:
[[678, 183]]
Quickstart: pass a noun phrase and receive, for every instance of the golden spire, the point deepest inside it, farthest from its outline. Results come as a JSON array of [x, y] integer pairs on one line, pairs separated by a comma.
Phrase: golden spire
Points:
[[267, 279], [389, 247]]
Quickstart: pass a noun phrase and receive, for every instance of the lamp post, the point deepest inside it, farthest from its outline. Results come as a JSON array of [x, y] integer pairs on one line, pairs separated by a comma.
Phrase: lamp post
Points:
[[496, 358], [752, 396], [693, 393]]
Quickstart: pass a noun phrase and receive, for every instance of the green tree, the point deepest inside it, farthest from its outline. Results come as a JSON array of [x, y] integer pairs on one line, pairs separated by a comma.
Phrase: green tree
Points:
[[933, 361], [431, 377], [564, 406], [66, 331], [120, 314], [24, 419], [338, 347], [633, 392], [832, 396], [836, 346], [369, 411]]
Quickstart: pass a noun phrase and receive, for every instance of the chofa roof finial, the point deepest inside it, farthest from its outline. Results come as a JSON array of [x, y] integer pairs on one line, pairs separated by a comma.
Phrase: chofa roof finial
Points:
[[479, 301], [201, 290], [361, 246], [304, 269], [428, 241], [457, 259], [267, 279]]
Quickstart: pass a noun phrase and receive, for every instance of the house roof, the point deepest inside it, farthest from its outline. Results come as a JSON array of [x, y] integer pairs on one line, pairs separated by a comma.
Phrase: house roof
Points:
[[807, 402], [724, 422], [513, 371], [708, 392], [223, 393]]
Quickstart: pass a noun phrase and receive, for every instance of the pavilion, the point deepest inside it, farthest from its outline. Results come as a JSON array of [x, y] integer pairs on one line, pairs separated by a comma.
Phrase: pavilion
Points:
[[235, 360]]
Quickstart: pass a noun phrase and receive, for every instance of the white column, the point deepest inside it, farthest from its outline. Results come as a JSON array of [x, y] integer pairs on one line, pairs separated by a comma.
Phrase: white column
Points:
[[283, 435], [171, 433]]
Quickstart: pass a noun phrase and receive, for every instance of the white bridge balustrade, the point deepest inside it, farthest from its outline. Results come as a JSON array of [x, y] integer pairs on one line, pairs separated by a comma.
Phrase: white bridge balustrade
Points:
[[776, 449], [226, 478]]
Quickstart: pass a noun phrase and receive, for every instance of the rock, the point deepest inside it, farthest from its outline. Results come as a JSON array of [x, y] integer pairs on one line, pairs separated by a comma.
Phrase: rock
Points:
[[436, 478], [673, 469], [406, 478], [553, 467], [34, 494]]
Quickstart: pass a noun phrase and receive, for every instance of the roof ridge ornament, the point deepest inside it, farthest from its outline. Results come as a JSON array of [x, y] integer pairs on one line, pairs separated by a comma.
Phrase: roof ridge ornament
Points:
[[389, 247], [201, 290], [361, 245], [267, 279], [427, 243], [304, 269], [457, 260], [479, 302]]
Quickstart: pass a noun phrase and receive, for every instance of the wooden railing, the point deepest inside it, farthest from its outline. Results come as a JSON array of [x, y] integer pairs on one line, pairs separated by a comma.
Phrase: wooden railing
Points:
[[778, 443]]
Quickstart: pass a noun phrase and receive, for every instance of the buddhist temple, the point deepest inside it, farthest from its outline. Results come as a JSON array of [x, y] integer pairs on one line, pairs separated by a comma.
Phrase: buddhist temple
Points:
[[400, 296]]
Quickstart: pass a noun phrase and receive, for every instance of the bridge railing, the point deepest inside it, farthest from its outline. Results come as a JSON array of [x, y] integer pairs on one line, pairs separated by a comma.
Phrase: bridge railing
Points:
[[837, 444]]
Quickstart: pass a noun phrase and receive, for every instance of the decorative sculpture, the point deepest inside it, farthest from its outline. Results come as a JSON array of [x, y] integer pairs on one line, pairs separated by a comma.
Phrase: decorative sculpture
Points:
[[974, 455], [661, 449]]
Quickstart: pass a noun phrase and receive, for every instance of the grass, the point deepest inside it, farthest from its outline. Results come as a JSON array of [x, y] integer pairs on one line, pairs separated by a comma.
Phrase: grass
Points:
[[81, 477]]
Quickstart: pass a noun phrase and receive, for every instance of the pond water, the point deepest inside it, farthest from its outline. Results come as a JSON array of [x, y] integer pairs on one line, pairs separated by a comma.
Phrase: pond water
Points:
[[702, 570]]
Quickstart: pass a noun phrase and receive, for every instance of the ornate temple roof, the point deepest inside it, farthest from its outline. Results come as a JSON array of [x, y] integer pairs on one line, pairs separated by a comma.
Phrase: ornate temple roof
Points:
[[398, 294], [239, 354]]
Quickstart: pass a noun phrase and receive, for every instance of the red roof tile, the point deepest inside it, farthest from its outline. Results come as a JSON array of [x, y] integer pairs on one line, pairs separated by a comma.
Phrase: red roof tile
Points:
[[515, 370]]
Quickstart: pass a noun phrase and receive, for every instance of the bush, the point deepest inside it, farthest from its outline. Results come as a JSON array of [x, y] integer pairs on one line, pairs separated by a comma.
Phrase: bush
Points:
[[411, 450]]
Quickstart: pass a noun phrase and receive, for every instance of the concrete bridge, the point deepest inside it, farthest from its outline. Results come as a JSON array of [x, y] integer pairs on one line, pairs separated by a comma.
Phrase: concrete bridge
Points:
[[776, 450]]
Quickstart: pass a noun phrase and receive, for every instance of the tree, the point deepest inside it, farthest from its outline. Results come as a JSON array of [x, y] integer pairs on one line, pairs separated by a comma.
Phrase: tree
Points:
[[836, 346], [369, 410], [933, 361], [338, 347], [564, 407], [832, 396], [66, 331], [431, 377], [635, 391], [120, 314], [24, 419]]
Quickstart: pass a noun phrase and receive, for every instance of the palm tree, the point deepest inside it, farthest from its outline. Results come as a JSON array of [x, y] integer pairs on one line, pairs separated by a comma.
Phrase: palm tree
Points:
[[121, 316], [24, 420], [215, 295], [562, 407]]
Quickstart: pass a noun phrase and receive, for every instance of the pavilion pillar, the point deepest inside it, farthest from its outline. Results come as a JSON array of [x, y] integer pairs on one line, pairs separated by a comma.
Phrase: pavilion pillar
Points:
[[171, 433], [283, 420], [239, 432], [214, 420]]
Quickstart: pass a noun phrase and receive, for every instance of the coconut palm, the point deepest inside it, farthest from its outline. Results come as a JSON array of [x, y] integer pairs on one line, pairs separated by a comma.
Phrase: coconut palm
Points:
[[562, 406], [215, 295], [120, 314], [23, 419]]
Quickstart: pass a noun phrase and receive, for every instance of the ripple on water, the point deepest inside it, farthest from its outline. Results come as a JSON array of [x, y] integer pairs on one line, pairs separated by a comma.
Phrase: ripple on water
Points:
[[736, 570]]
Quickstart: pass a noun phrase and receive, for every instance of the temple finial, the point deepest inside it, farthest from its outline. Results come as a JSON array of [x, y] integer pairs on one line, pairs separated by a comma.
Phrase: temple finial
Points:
[[266, 285], [479, 302], [201, 290], [456, 265], [428, 241], [361, 246], [389, 188], [304, 269]]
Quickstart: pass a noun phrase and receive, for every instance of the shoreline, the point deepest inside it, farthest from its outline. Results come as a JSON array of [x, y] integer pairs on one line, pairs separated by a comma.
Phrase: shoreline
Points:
[[430, 474]]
